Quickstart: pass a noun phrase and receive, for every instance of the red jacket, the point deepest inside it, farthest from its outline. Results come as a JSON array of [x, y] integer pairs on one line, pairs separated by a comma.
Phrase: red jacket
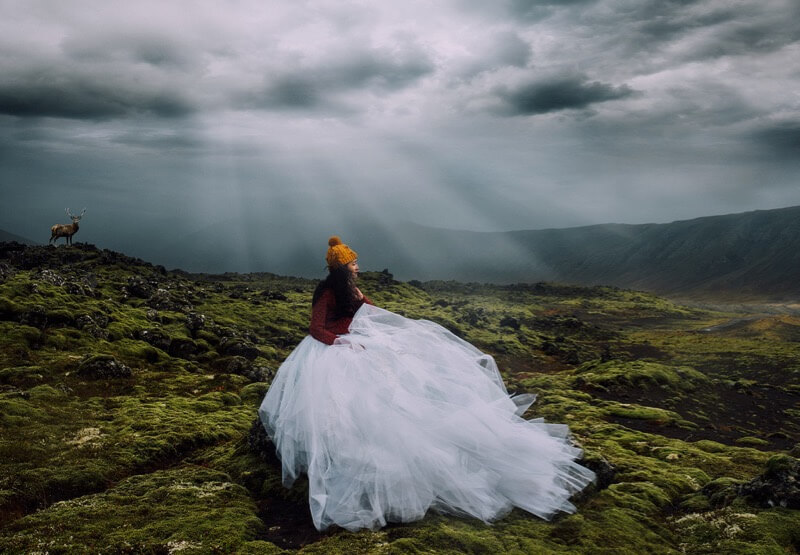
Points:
[[325, 326]]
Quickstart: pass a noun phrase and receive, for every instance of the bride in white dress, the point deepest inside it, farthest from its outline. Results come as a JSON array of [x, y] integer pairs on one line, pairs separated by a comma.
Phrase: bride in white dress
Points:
[[390, 417]]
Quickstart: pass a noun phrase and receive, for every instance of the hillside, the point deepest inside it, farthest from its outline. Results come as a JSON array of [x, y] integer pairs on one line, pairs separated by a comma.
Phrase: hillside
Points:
[[753, 254], [128, 398], [5, 236]]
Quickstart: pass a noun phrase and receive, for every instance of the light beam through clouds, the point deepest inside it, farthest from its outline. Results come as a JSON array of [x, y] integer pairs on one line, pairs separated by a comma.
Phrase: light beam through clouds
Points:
[[166, 119]]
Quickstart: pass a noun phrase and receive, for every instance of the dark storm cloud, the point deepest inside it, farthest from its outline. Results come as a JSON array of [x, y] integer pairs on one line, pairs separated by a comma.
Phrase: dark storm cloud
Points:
[[781, 138], [51, 92], [284, 98], [569, 92], [314, 86]]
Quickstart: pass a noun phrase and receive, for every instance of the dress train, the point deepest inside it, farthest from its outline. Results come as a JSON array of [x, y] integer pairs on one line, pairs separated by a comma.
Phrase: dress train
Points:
[[409, 417]]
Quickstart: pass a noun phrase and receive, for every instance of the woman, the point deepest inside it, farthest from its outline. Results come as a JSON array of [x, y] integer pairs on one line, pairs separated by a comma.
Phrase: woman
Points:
[[390, 417]]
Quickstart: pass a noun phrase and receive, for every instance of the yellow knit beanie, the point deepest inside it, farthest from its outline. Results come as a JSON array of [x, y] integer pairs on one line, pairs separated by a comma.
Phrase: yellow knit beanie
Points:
[[339, 254]]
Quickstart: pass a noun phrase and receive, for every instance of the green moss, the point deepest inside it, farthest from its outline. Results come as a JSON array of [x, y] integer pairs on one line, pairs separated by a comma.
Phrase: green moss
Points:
[[752, 441], [629, 373], [605, 375], [731, 530], [626, 410], [254, 393], [189, 509]]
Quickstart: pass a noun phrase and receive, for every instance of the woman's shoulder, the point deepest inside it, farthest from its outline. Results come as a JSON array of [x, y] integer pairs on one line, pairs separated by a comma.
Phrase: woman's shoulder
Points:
[[323, 293]]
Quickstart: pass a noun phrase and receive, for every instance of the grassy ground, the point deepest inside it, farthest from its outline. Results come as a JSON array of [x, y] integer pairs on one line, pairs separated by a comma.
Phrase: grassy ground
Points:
[[128, 396]]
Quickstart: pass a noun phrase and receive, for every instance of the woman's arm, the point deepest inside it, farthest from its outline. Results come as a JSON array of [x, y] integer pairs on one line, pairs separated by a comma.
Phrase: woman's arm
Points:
[[319, 316]]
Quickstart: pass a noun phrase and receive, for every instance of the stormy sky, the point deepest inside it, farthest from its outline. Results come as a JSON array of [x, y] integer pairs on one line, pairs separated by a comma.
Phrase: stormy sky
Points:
[[176, 119]]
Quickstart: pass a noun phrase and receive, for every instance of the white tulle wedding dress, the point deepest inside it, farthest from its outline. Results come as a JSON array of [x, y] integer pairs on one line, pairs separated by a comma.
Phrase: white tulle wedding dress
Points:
[[407, 417]]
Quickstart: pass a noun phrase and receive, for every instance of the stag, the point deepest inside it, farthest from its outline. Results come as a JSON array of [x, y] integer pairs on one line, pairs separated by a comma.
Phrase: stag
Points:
[[66, 230]]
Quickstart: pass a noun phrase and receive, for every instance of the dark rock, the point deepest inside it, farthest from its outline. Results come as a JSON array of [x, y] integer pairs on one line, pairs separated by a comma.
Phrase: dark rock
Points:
[[223, 332], [274, 295], [83, 321], [96, 331], [74, 288], [103, 367], [35, 317], [262, 374], [153, 315], [9, 249], [183, 348], [100, 319], [93, 324], [141, 288], [49, 276], [259, 442], [778, 486], [6, 271], [250, 336], [473, 316], [605, 471], [385, 278], [510, 322], [156, 338], [195, 321], [236, 346], [162, 299], [233, 365], [243, 367]]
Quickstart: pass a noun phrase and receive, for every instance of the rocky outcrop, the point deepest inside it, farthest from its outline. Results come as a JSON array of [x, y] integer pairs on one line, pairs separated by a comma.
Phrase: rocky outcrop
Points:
[[778, 486], [105, 367]]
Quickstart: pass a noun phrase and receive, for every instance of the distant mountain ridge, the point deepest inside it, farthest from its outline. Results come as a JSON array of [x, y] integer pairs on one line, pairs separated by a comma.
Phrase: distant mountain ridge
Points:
[[754, 252], [749, 253], [6, 236]]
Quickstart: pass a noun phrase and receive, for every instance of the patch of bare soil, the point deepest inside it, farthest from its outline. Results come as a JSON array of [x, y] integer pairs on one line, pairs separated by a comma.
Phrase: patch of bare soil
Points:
[[721, 412], [288, 523]]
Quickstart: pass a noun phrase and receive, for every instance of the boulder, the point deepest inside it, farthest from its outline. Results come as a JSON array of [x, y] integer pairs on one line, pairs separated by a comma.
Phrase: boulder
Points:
[[156, 338], [93, 325], [243, 367], [182, 347], [35, 317], [153, 315], [259, 442], [103, 367], [50, 276], [236, 346], [778, 486], [605, 471], [195, 321], [139, 287]]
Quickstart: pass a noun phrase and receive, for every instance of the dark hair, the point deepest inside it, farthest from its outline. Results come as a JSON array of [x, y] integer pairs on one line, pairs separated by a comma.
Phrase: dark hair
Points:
[[343, 284]]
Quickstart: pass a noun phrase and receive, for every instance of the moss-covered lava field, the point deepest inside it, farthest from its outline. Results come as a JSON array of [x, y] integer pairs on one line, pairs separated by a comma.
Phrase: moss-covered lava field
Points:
[[128, 397]]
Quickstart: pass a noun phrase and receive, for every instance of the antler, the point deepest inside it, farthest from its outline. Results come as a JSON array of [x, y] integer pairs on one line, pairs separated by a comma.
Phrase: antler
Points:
[[83, 212], [68, 213]]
